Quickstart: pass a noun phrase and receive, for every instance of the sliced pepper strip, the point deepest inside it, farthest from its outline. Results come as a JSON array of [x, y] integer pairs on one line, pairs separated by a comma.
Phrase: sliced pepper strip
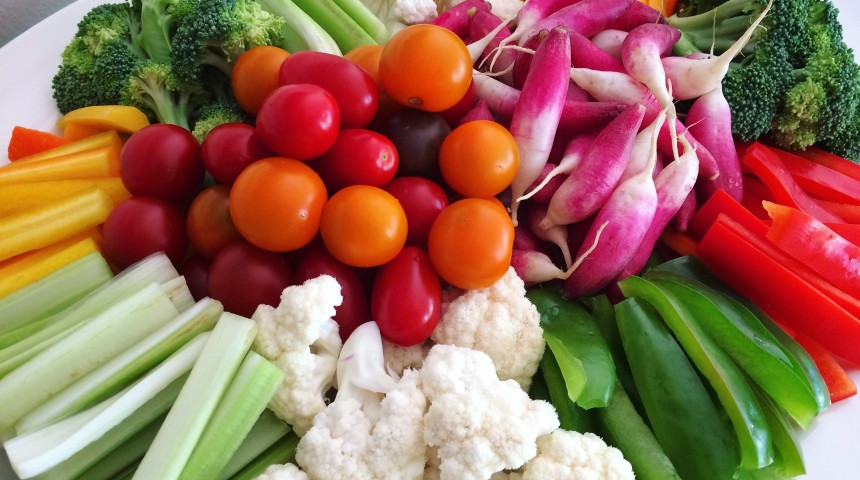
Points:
[[831, 160], [839, 384], [819, 180], [723, 203]]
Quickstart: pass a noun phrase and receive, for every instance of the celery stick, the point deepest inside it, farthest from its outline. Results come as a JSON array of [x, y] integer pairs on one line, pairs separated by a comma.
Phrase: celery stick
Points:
[[342, 28], [53, 292], [124, 368], [123, 459], [264, 434], [155, 268], [81, 351], [37, 452], [302, 25], [282, 452], [225, 350], [246, 398], [178, 292], [367, 20]]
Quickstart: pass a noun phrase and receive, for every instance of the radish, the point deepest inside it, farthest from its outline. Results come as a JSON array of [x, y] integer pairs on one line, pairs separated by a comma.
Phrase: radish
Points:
[[574, 151], [543, 188], [597, 174], [610, 41], [587, 17], [611, 86], [523, 59], [457, 18], [556, 234], [637, 14], [575, 93], [617, 231], [685, 213], [483, 22], [528, 15], [711, 118], [479, 111], [585, 54], [693, 77], [640, 154], [535, 267], [537, 113]]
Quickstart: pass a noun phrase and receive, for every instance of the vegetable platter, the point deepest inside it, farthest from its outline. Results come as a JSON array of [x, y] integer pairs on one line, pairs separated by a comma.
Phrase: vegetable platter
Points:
[[28, 63]]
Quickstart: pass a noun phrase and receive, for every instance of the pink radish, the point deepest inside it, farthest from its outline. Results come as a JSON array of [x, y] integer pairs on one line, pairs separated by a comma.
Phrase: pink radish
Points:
[[575, 93], [535, 267], [711, 119], [637, 14], [575, 150], [685, 213], [479, 111], [587, 17], [483, 22], [457, 17], [525, 239], [528, 15], [640, 154], [523, 59], [610, 41], [543, 188], [692, 77], [597, 174], [556, 234], [585, 54], [537, 113], [617, 231]]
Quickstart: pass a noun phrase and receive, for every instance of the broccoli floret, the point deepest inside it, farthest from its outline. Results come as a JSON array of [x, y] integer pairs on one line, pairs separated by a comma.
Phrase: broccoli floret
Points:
[[158, 20], [154, 88], [216, 32], [218, 113]]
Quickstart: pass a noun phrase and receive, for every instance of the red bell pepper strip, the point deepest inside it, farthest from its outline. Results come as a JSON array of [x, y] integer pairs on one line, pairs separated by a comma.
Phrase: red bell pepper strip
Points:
[[755, 191], [788, 291], [766, 164], [831, 160], [819, 180], [723, 203], [816, 245], [839, 384], [681, 243], [847, 212], [848, 231]]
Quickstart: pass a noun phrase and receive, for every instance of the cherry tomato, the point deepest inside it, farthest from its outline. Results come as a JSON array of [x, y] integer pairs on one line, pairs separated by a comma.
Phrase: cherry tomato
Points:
[[363, 226], [367, 57], [406, 298], [479, 159], [352, 87], [229, 148], [141, 226], [209, 224], [422, 200], [243, 276], [358, 157], [354, 310], [255, 75], [426, 81], [276, 203], [299, 121], [195, 269], [162, 161], [417, 135], [471, 243]]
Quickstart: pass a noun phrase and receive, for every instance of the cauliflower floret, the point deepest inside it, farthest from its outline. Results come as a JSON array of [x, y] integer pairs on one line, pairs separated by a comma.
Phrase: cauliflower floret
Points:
[[497, 320], [399, 358], [396, 14], [576, 456], [287, 471], [302, 339], [480, 424]]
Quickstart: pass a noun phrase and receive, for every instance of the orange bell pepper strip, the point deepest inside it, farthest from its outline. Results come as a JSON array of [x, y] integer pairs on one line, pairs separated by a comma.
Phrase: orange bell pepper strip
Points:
[[28, 141]]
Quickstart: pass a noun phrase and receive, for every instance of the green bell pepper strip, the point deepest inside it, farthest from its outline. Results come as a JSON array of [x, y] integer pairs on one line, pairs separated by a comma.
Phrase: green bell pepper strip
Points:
[[752, 347], [788, 457], [678, 403], [577, 345], [727, 380], [692, 267], [570, 415]]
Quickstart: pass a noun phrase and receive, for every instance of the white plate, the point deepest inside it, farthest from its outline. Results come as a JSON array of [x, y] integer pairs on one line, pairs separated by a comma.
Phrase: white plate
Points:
[[28, 63]]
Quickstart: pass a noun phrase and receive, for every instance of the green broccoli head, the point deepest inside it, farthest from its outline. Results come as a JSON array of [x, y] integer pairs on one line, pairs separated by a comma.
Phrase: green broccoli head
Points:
[[155, 89], [105, 24], [158, 20], [218, 113]]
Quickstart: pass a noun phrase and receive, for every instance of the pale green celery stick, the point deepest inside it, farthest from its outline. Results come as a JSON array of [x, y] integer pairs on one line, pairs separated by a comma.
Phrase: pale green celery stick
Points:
[[342, 28], [292, 40], [52, 293], [225, 350], [121, 460], [282, 452], [246, 398], [179, 293], [155, 268], [315, 37], [367, 20], [37, 452], [116, 374], [81, 351], [266, 432]]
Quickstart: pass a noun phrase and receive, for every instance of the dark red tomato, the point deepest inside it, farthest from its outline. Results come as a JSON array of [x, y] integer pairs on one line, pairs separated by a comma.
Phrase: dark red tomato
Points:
[[354, 311], [229, 148], [162, 161], [195, 269], [352, 87], [405, 299], [422, 200], [242, 277], [358, 157], [454, 114], [141, 226], [299, 121], [418, 136], [209, 223]]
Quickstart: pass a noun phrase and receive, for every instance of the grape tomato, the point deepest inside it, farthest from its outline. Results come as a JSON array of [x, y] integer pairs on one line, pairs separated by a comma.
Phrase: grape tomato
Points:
[[162, 161], [299, 121], [229, 148], [242, 276], [140, 226], [358, 157], [422, 200]]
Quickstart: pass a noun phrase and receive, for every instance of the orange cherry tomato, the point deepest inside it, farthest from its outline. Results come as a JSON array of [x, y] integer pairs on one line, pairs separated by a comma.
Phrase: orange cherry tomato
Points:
[[255, 75], [367, 57], [210, 227], [471, 243], [479, 159], [363, 226], [276, 203], [427, 81]]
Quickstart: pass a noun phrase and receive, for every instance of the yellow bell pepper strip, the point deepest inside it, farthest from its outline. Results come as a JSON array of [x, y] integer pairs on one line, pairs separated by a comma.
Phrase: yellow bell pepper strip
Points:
[[41, 226], [792, 295], [839, 384], [77, 131], [105, 139], [53, 260], [726, 379], [20, 196], [678, 405], [121, 118], [99, 162]]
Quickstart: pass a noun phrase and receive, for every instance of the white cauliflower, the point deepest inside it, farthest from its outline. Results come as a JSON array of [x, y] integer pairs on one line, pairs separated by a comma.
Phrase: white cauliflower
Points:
[[396, 14], [479, 424], [499, 321], [398, 358], [576, 456], [287, 471], [302, 339]]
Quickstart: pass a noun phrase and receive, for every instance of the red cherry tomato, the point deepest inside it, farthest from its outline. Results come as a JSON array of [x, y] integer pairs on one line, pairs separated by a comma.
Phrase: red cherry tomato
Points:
[[243, 277], [353, 88], [141, 226], [162, 161], [358, 157], [299, 121], [454, 114], [195, 269], [422, 200], [406, 298], [229, 148], [354, 311], [209, 224]]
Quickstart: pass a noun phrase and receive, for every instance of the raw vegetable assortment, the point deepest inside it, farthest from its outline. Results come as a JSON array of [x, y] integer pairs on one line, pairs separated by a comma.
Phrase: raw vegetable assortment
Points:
[[552, 228]]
